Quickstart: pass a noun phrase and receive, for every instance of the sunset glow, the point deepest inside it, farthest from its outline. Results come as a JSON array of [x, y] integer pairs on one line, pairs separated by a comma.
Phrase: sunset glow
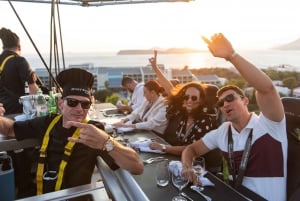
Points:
[[249, 25]]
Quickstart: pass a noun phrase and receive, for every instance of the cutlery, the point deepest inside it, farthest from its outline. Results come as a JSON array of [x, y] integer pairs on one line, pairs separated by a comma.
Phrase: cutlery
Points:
[[186, 196], [154, 159], [198, 190]]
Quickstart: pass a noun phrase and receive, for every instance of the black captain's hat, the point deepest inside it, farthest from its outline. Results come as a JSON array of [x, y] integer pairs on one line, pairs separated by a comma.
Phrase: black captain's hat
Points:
[[75, 81]]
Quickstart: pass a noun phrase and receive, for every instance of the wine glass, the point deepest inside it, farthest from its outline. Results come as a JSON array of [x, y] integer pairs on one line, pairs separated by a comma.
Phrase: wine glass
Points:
[[198, 166], [179, 181]]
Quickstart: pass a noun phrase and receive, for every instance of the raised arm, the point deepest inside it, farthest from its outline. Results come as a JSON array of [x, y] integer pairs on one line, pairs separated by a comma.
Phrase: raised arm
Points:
[[162, 79], [267, 96]]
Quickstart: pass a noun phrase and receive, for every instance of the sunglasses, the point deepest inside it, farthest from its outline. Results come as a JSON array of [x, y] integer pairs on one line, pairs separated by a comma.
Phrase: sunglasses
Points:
[[71, 102], [187, 97], [229, 98]]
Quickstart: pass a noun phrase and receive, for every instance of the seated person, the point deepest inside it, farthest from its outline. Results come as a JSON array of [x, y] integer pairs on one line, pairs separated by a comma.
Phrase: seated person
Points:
[[58, 132], [136, 90], [151, 115], [188, 121]]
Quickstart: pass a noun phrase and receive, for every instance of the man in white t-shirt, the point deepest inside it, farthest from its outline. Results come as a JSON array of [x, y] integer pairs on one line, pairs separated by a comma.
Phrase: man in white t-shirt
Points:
[[265, 170], [137, 94]]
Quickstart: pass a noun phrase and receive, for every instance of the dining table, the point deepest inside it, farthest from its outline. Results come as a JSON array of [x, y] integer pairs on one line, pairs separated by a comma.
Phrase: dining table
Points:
[[147, 181]]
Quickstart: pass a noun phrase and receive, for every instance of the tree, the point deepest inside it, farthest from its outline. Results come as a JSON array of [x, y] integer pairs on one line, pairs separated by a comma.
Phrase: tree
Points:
[[102, 94], [112, 99], [290, 82]]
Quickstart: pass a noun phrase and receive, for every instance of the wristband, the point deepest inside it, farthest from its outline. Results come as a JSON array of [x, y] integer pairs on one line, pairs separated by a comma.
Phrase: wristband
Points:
[[230, 57]]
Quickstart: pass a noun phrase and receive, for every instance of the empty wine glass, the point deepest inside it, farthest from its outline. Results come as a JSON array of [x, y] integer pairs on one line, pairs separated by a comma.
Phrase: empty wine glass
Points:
[[198, 166], [180, 182]]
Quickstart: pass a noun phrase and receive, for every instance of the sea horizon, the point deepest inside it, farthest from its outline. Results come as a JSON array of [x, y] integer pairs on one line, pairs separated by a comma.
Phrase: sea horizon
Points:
[[260, 58]]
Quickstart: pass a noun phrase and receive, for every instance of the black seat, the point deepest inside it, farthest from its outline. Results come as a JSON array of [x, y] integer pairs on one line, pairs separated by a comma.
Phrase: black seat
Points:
[[211, 103], [292, 112]]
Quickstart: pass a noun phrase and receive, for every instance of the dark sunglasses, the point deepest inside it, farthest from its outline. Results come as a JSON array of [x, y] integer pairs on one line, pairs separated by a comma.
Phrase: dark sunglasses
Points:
[[187, 97], [71, 102], [229, 98]]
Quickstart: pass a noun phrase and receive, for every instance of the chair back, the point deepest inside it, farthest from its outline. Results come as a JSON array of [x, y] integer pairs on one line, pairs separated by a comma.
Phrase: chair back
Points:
[[292, 112], [211, 103]]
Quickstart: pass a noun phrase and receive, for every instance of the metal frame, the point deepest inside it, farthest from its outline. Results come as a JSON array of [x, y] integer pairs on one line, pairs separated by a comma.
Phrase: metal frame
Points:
[[86, 3]]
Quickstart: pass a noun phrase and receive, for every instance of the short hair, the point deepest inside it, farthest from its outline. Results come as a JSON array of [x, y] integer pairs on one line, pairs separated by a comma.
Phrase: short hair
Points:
[[153, 85], [126, 80], [230, 87]]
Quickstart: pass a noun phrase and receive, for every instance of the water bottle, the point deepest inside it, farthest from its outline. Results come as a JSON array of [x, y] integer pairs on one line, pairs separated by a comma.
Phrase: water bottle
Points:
[[41, 104], [26, 89], [52, 107]]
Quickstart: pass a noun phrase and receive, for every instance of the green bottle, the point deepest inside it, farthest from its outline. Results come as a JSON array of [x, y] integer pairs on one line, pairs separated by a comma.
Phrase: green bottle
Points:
[[42, 107], [52, 107]]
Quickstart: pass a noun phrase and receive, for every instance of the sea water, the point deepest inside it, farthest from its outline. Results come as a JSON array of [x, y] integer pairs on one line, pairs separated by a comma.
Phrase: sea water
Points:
[[260, 58]]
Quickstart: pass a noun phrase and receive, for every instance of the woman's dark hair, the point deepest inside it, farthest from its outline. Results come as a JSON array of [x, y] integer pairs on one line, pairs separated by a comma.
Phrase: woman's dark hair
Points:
[[175, 100], [153, 85], [9, 38]]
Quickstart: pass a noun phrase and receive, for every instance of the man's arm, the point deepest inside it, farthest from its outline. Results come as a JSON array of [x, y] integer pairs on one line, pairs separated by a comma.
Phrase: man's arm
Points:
[[267, 96], [96, 138], [6, 127]]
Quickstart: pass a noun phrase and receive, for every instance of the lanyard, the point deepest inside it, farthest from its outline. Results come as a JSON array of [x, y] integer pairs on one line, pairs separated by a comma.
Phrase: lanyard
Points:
[[238, 180], [43, 154]]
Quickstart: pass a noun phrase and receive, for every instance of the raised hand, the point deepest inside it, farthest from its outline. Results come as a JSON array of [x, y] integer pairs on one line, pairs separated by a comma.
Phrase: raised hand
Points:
[[89, 135], [219, 46], [153, 60]]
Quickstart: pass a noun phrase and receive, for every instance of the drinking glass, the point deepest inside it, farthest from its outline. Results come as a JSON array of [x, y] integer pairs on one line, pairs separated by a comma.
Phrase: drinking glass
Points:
[[180, 182], [198, 166], [162, 173]]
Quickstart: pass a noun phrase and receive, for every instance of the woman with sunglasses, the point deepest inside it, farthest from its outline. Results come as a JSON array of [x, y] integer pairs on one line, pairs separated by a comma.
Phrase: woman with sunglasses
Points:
[[253, 145], [188, 118]]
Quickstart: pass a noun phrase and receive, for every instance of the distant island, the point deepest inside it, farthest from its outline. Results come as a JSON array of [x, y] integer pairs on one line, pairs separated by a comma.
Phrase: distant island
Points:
[[167, 51], [294, 45]]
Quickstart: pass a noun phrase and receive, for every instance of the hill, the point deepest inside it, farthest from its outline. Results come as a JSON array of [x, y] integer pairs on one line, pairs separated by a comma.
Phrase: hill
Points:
[[294, 45], [167, 51]]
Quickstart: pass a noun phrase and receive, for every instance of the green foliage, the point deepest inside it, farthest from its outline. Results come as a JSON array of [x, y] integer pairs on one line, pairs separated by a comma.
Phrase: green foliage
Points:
[[102, 94], [290, 82], [112, 99], [238, 82]]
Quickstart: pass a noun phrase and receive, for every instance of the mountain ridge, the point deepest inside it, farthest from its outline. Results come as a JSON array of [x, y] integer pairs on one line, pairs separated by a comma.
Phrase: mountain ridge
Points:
[[294, 45]]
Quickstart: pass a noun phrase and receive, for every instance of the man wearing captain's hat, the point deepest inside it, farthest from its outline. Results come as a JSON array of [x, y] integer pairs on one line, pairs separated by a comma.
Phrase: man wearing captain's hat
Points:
[[83, 139]]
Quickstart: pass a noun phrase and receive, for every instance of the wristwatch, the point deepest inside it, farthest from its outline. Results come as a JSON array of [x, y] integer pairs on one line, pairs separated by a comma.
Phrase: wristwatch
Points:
[[163, 147], [108, 144]]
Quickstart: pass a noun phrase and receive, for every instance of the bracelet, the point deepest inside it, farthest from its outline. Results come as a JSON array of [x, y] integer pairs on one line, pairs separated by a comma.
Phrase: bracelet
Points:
[[233, 55]]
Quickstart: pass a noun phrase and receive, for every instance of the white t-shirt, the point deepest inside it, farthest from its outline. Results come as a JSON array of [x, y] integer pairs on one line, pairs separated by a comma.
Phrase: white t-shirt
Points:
[[267, 165]]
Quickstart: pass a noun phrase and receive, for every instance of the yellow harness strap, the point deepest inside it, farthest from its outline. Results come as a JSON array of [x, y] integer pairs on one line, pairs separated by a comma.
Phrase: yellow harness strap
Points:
[[4, 62], [43, 155], [64, 161]]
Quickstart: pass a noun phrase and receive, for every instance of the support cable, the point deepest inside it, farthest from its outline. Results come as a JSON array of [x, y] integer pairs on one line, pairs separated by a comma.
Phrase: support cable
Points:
[[36, 49]]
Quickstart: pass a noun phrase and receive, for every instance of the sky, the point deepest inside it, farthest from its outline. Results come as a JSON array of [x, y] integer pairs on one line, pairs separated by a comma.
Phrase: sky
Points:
[[255, 24]]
